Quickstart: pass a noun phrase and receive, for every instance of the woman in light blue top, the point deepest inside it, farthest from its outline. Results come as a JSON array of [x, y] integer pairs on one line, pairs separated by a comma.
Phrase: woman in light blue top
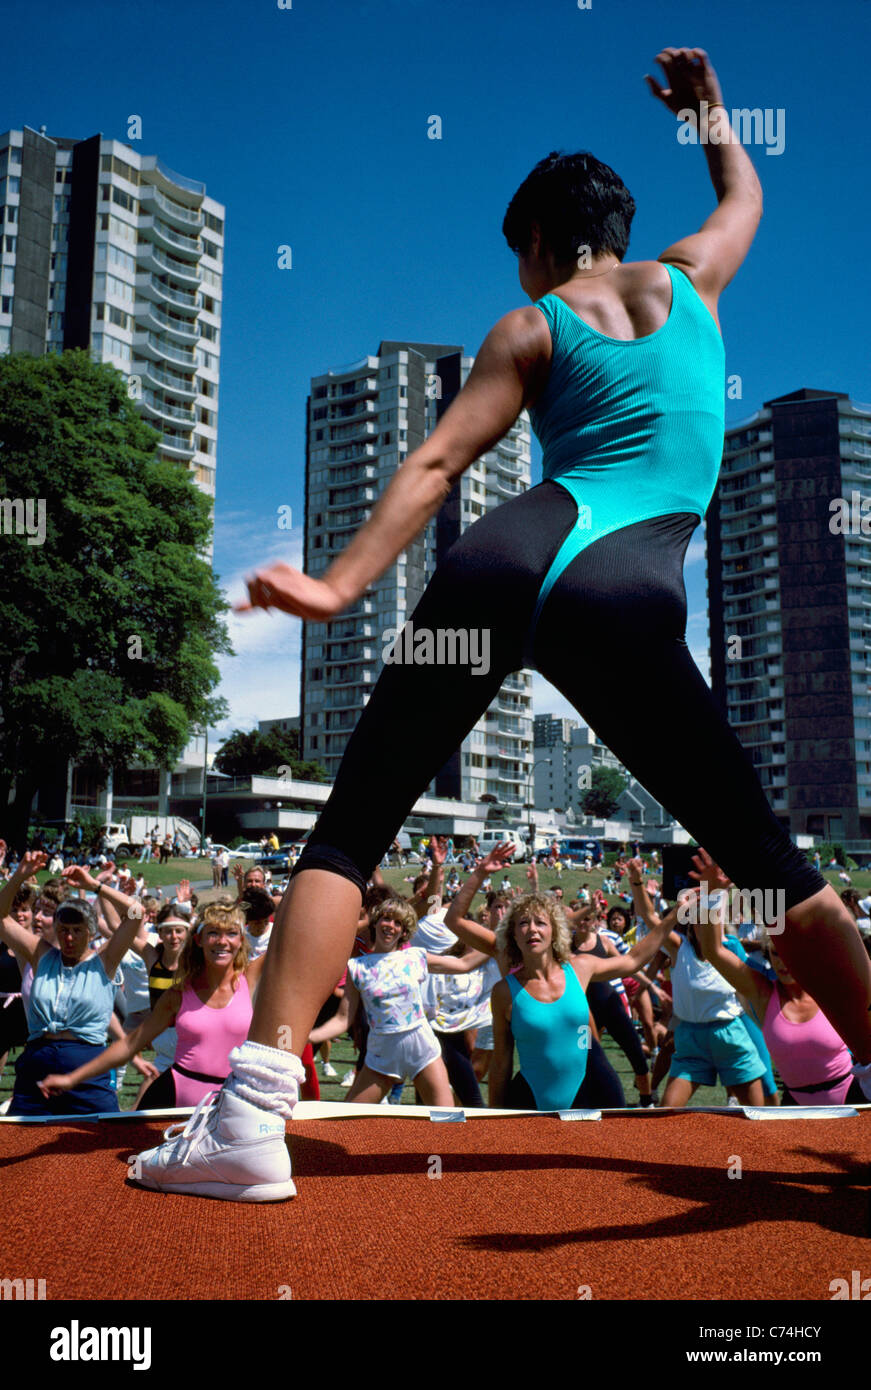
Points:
[[72, 995]]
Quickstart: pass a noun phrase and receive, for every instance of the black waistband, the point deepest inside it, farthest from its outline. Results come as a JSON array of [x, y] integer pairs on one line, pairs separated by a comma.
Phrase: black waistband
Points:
[[818, 1085], [198, 1075]]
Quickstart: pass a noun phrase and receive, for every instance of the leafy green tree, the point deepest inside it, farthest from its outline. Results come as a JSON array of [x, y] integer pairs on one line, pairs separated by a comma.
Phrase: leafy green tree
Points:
[[258, 754], [111, 619], [603, 794]]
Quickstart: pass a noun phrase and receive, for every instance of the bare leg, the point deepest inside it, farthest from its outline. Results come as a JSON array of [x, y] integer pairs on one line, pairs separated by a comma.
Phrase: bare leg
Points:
[[678, 1091], [370, 1087], [433, 1085], [312, 939], [663, 1060], [822, 947], [750, 1093]]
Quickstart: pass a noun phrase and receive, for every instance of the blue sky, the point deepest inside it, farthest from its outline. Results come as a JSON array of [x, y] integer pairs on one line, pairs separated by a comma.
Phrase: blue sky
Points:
[[310, 124]]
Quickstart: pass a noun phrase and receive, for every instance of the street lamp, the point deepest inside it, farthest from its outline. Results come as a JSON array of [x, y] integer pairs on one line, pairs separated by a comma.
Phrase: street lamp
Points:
[[531, 799], [203, 811]]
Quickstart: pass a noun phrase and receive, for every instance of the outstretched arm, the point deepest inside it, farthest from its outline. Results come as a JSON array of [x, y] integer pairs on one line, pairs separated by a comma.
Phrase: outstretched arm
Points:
[[474, 934], [21, 940], [429, 899], [496, 392], [341, 1020], [641, 953], [455, 965], [711, 256], [117, 1053]]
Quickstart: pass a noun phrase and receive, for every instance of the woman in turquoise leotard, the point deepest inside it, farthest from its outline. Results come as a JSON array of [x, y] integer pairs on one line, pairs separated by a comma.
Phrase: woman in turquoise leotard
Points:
[[541, 1007]]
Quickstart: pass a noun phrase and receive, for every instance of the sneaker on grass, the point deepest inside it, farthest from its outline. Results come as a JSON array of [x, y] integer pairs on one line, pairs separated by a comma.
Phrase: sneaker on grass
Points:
[[328, 1070], [347, 1080]]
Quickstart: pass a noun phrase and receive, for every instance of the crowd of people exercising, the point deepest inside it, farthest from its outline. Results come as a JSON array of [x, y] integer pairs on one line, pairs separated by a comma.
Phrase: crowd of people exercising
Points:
[[449, 985]]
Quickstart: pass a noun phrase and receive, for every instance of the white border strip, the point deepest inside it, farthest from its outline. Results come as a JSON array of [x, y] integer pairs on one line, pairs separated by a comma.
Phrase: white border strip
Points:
[[340, 1110]]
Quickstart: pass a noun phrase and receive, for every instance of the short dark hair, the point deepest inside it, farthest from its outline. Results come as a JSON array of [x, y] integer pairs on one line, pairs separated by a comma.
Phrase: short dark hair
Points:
[[375, 895], [256, 904], [576, 201]]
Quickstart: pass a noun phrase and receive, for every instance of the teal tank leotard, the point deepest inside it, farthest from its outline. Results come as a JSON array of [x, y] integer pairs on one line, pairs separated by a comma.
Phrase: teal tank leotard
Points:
[[553, 1041], [632, 429]]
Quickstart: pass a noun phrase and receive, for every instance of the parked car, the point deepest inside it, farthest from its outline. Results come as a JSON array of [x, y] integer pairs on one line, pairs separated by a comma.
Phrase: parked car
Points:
[[280, 858], [251, 849], [578, 849], [497, 835]]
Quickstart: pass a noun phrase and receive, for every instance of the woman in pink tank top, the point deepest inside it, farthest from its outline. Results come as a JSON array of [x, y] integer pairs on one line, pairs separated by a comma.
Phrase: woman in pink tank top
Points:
[[813, 1061], [210, 1007]]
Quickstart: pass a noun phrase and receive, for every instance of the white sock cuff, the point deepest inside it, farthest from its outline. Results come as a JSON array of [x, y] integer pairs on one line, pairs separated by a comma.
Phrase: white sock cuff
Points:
[[257, 1054], [266, 1077]]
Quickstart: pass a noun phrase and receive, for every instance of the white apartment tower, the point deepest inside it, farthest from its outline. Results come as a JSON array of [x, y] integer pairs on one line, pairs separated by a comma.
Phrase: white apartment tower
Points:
[[107, 249], [363, 420]]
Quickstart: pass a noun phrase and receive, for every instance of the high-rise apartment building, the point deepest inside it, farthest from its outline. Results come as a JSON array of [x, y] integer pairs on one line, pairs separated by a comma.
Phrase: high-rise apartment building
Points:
[[789, 588], [107, 249], [363, 420]]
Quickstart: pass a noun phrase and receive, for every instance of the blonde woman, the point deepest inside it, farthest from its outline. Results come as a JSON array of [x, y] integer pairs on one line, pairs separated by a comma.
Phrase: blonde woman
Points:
[[209, 1004], [541, 1006]]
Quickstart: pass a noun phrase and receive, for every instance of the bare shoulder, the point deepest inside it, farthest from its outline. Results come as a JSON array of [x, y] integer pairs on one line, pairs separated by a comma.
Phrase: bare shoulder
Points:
[[697, 277], [584, 966], [524, 332], [500, 999]]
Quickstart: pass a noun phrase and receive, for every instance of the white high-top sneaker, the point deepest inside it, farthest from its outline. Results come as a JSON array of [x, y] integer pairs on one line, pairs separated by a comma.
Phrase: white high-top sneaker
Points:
[[228, 1149]]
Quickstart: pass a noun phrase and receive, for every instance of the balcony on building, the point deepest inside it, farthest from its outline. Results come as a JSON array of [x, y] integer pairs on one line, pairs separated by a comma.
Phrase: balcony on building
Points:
[[184, 190], [148, 344], [169, 239], [151, 315], [150, 286], [158, 408], [150, 257], [184, 217], [156, 377]]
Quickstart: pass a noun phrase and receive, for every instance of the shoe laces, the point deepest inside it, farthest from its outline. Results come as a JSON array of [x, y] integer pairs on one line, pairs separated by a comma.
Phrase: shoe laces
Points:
[[203, 1120]]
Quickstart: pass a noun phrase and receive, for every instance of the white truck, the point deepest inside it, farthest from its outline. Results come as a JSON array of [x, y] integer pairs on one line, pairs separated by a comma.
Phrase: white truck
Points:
[[123, 837]]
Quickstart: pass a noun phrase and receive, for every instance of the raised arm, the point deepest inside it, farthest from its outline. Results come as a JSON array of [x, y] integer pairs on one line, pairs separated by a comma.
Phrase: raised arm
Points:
[[429, 899], [19, 939], [709, 934], [499, 384], [634, 959], [711, 256], [475, 934], [641, 902]]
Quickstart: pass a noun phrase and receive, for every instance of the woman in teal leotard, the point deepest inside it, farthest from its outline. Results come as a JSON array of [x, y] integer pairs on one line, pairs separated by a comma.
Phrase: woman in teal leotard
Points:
[[541, 1007]]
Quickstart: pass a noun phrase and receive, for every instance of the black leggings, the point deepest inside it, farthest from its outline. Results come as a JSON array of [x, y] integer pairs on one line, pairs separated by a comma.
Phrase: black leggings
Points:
[[601, 1088], [608, 1010], [669, 734], [461, 1073]]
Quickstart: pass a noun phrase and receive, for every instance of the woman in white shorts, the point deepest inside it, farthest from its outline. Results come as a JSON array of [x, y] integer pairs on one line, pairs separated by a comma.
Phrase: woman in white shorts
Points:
[[401, 1044]]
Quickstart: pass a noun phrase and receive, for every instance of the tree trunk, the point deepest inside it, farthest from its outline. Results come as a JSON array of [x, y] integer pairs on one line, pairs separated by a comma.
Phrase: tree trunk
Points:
[[17, 815]]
